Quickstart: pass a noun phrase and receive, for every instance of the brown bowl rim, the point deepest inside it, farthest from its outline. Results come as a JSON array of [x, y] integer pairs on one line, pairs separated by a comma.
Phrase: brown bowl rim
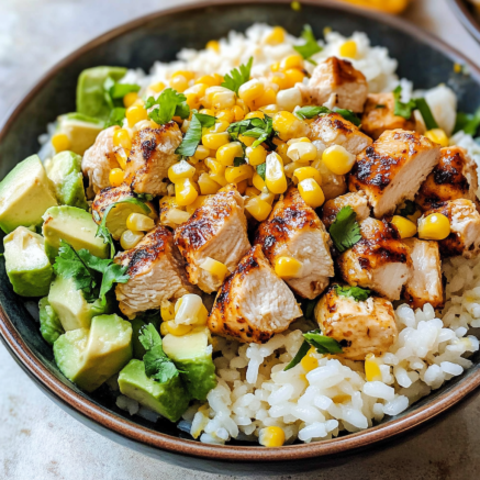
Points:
[[466, 17], [125, 427]]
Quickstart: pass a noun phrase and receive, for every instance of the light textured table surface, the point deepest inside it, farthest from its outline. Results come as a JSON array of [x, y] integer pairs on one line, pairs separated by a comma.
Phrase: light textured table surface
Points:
[[38, 441]]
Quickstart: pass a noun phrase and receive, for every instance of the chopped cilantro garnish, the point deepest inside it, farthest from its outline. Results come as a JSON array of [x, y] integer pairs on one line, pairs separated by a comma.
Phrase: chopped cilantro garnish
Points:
[[237, 161], [192, 138], [402, 109], [311, 46], [238, 76], [357, 293], [409, 208], [261, 169], [348, 115], [468, 122], [302, 351], [116, 117], [427, 115], [312, 111], [345, 230], [170, 104], [259, 128], [114, 91]]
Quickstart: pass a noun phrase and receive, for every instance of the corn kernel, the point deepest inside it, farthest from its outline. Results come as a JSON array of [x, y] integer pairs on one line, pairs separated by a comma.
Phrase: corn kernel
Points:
[[208, 80], [202, 316], [272, 437], [435, 226], [238, 112], [289, 99], [207, 111], [121, 159], [130, 239], [248, 141], [189, 75], [187, 309], [177, 329], [270, 110], [276, 36], [252, 192], [268, 97], [251, 90], [298, 140], [242, 186], [163, 329], [238, 174], [218, 178], [215, 140], [267, 196], [258, 182], [302, 152], [223, 99], [60, 142], [437, 135], [288, 267], [185, 192], [226, 154], [372, 370], [219, 127], [157, 87], [213, 45], [214, 267], [292, 61], [167, 311], [256, 156], [259, 209], [176, 216], [121, 138], [214, 166], [287, 125], [255, 114], [338, 160], [279, 80], [201, 152], [292, 77], [274, 175], [311, 192], [179, 83], [138, 222], [405, 227], [180, 170], [116, 177], [226, 115], [196, 204], [307, 172], [129, 99], [309, 362], [207, 185], [135, 114], [349, 49], [282, 150]]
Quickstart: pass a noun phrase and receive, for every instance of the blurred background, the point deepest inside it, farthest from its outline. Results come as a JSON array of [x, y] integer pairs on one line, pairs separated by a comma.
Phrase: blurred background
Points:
[[38, 441]]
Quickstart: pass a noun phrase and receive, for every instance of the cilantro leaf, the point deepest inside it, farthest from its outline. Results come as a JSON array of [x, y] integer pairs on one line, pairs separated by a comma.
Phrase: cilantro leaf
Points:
[[427, 115], [402, 109], [348, 115], [170, 104], [116, 117], [468, 122], [410, 207], [192, 138], [357, 293], [259, 128], [309, 308], [311, 46], [237, 161], [238, 76], [261, 169], [303, 350], [345, 230], [312, 111], [114, 91]]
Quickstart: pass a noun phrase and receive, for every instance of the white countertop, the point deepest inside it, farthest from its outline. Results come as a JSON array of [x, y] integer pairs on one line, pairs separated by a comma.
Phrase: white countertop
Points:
[[38, 440]]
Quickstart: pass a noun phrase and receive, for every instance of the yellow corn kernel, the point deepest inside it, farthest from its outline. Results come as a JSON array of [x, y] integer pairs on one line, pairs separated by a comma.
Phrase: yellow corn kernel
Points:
[[185, 73], [311, 192], [258, 182], [193, 100], [185, 192], [135, 114], [207, 111], [279, 80], [289, 99], [179, 83], [121, 159], [121, 138], [130, 239], [349, 49], [405, 227], [272, 437], [163, 329], [214, 267], [222, 98], [252, 192], [202, 316], [251, 90], [137, 222], [226, 115], [238, 113], [275, 67], [298, 140], [201, 152], [215, 140], [116, 177], [256, 156], [292, 61], [286, 124], [167, 311], [307, 172], [259, 209], [207, 185], [175, 216], [219, 127], [177, 329], [60, 142], [302, 152], [270, 110], [196, 204], [238, 174], [282, 150], [267, 196], [437, 135], [213, 45], [208, 80], [274, 174], [338, 160], [276, 36], [291, 167], [157, 87], [218, 178], [226, 154], [255, 114], [129, 99], [180, 170], [292, 77], [435, 226], [372, 370], [288, 267], [309, 362], [242, 186], [214, 166], [268, 97], [248, 141]]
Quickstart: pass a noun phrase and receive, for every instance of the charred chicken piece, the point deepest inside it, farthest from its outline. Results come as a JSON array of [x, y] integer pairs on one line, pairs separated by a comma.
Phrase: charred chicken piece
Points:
[[356, 200]]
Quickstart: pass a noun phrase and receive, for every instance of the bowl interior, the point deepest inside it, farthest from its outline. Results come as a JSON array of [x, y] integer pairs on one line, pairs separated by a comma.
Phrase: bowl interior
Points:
[[160, 38]]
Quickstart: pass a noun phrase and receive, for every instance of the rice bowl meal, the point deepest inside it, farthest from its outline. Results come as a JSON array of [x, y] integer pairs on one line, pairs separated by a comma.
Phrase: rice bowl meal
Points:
[[271, 240]]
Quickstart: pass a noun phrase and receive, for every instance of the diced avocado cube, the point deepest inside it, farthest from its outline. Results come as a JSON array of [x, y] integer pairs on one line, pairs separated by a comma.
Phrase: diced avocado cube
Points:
[[27, 264], [76, 227], [80, 129], [90, 92], [25, 195], [90, 357], [192, 354], [169, 399], [70, 305], [50, 326], [64, 170]]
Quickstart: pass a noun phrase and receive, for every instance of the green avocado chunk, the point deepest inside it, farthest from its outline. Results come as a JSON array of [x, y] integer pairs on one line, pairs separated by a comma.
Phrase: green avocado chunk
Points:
[[90, 92], [50, 326], [26, 263], [25, 194], [64, 170], [193, 356], [90, 357], [70, 305], [76, 227], [169, 399], [80, 129]]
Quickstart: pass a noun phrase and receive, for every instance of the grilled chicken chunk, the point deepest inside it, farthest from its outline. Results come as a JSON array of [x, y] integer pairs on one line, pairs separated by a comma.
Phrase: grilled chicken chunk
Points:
[[454, 177], [360, 327], [425, 285], [340, 78], [379, 115], [356, 200], [379, 261], [393, 168], [156, 271], [253, 303], [152, 154], [98, 160], [464, 238], [217, 230], [293, 229]]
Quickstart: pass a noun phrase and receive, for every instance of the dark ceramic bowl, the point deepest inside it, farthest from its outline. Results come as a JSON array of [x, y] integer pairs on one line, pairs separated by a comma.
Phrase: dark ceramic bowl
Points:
[[469, 17], [422, 58]]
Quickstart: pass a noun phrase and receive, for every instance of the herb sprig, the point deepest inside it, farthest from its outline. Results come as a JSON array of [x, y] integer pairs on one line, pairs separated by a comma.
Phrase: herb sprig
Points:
[[468, 122], [259, 128], [313, 111], [238, 76], [311, 46], [405, 110], [192, 138], [345, 230], [357, 293], [170, 104]]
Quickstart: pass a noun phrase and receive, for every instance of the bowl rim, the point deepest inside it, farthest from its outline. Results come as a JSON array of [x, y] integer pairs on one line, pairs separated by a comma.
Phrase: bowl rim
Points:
[[151, 438], [467, 19]]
